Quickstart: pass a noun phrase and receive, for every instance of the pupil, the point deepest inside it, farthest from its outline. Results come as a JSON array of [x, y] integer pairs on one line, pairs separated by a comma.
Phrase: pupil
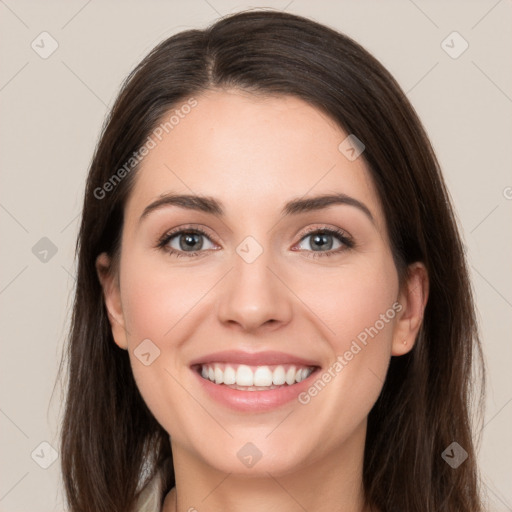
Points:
[[320, 241], [191, 239]]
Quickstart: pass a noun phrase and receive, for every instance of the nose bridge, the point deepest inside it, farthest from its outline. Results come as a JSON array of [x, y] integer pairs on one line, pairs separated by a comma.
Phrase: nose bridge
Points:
[[253, 295]]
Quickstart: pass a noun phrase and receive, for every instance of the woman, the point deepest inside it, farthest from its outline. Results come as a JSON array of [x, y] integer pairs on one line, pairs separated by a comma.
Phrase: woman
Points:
[[273, 309]]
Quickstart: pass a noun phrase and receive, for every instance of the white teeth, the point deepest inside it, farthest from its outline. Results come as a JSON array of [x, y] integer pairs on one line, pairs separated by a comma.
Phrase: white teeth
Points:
[[229, 375], [256, 377], [279, 377], [290, 375], [307, 372], [244, 376], [262, 376], [219, 376]]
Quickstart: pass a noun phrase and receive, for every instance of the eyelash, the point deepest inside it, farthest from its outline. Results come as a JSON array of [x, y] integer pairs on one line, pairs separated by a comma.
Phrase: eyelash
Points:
[[347, 242]]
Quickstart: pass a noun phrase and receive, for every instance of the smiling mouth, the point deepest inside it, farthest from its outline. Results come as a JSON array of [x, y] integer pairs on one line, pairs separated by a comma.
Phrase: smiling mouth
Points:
[[254, 378]]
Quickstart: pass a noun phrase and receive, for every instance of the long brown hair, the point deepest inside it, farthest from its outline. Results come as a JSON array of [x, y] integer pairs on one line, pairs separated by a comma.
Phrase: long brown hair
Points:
[[111, 443]]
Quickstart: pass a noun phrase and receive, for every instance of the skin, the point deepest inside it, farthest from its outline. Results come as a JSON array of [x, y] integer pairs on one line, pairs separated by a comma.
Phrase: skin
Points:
[[254, 154]]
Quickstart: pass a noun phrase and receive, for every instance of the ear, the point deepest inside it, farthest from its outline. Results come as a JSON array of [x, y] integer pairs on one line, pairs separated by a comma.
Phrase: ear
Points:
[[413, 299], [112, 295]]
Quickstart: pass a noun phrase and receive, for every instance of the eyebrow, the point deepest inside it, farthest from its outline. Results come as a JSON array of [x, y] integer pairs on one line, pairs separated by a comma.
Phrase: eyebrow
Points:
[[212, 206]]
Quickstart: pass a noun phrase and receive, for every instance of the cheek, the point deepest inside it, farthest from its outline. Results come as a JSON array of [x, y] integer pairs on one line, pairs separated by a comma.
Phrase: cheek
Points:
[[157, 302], [367, 315], [360, 308], [365, 312], [156, 298], [352, 302]]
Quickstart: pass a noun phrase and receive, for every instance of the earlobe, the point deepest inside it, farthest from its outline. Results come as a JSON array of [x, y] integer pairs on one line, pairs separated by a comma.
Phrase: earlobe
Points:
[[413, 299], [112, 297]]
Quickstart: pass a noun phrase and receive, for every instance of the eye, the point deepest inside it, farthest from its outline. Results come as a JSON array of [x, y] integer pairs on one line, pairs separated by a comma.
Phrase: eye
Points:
[[191, 242], [185, 242], [326, 242]]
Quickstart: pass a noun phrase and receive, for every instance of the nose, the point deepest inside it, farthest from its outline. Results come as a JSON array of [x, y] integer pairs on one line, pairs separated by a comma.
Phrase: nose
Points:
[[254, 297]]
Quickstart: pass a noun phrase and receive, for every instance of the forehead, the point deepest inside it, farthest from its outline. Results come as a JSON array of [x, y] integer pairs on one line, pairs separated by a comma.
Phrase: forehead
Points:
[[252, 152]]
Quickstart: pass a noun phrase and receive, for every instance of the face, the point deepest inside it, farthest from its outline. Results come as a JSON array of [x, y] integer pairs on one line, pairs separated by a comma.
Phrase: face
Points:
[[259, 311]]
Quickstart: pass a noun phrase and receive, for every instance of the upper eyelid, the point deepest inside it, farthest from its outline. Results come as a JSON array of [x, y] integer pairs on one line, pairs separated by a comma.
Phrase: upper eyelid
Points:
[[334, 230], [338, 233], [187, 229]]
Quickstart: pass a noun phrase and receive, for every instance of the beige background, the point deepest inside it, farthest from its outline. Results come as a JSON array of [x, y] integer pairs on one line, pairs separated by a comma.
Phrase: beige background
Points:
[[51, 113]]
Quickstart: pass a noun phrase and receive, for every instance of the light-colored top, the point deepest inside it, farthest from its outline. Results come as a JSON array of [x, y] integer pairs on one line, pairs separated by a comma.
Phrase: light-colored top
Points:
[[149, 499]]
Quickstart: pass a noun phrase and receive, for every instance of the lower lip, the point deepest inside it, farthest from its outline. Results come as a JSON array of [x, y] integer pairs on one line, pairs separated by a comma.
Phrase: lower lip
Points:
[[254, 401]]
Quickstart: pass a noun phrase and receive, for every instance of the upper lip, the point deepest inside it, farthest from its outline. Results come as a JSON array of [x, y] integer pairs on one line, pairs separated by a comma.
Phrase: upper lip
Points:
[[253, 358]]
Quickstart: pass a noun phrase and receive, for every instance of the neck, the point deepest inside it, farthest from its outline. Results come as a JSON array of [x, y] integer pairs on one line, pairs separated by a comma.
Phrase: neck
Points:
[[329, 483]]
